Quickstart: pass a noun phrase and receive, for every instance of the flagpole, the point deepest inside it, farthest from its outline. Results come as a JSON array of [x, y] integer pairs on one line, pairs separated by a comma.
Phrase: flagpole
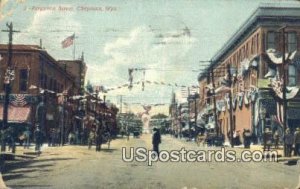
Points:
[[74, 47]]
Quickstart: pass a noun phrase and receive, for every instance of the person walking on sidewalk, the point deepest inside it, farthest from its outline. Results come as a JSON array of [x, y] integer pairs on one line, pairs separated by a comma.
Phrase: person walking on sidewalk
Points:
[[91, 138], [276, 139], [267, 139], [156, 140], [297, 142], [289, 141], [27, 135], [38, 139], [247, 138]]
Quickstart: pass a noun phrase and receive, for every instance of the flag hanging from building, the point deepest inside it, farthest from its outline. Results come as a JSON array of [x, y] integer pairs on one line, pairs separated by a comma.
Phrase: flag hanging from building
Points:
[[68, 41]]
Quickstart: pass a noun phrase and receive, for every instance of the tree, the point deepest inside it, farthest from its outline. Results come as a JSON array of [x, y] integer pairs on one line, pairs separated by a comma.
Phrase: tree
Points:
[[89, 87]]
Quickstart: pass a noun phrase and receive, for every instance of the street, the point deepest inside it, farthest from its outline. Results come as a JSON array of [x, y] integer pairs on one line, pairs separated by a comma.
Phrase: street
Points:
[[77, 167]]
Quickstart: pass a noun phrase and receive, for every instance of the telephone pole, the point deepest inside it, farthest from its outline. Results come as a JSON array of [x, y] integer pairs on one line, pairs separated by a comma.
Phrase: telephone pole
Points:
[[9, 76], [284, 88], [121, 102], [214, 102], [189, 111], [230, 106]]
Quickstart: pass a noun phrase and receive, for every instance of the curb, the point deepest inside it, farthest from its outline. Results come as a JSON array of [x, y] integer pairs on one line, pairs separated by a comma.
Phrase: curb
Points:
[[288, 159], [10, 156]]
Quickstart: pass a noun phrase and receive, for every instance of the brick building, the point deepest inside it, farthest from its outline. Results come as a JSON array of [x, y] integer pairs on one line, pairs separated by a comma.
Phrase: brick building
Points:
[[254, 54], [35, 71], [76, 68]]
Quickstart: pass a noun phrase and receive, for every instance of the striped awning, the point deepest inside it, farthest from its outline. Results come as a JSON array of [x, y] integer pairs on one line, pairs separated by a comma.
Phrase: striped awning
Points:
[[16, 114]]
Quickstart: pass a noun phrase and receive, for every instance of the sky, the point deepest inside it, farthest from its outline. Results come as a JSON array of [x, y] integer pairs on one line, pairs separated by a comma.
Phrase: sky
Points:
[[166, 37]]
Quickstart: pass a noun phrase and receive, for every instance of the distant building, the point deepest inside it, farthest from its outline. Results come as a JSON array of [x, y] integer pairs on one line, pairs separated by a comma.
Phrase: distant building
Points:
[[76, 68]]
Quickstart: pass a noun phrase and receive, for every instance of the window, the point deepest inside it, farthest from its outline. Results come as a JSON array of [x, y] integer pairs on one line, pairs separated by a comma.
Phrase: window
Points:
[[54, 86], [271, 41], [291, 40], [23, 80], [292, 75], [51, 84], [45, 82], [41, 79]]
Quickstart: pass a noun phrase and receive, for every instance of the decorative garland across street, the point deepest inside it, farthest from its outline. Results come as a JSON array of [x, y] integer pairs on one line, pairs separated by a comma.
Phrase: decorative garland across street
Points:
[[143, 85]]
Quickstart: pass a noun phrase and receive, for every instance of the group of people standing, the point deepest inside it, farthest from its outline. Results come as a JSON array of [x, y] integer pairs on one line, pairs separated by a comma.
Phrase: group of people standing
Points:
[[292, 141]]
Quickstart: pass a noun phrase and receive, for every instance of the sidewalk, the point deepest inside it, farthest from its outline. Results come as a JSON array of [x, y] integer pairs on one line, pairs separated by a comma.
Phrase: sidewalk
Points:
[[23, 153], [279, 150]]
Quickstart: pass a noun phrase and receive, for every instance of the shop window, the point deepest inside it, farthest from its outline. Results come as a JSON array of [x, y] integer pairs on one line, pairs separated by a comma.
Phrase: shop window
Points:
[[23, 73]]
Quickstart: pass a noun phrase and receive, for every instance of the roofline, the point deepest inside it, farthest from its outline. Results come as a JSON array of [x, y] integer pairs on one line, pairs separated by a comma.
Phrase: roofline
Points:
[[265, 11]]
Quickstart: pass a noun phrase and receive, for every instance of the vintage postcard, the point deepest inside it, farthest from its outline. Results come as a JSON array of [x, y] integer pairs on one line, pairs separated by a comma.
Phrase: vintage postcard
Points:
[[139, 94]]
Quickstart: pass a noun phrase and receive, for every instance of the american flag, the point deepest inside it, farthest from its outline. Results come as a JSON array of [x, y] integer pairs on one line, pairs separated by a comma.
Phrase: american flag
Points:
[[68, 41]]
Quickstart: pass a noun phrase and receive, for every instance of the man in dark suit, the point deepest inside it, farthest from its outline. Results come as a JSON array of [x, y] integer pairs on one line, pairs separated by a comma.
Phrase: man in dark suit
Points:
[[156, 140]]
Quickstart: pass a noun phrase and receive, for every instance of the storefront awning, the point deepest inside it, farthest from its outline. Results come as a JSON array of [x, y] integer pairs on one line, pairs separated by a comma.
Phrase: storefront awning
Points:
[[16, 114]]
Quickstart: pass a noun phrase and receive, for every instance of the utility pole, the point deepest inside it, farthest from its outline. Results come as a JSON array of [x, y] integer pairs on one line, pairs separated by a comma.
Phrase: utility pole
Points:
[[9, 76], [64, 108], [214, 102], [121, 102], [230, 106], [189, 111], [284, 88]]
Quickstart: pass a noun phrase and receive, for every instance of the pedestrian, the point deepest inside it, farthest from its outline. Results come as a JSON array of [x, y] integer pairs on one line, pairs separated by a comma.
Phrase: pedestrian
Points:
[[276, 139], [297, 142], [289, 141], [156, 140], [38, 139], [26, 135], [247, 138], [71, 138], [91, 138], [98, 138], [267, 136]]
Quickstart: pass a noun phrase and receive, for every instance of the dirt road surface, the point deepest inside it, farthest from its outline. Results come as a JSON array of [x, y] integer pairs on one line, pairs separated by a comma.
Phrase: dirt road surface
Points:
[[76, 167]]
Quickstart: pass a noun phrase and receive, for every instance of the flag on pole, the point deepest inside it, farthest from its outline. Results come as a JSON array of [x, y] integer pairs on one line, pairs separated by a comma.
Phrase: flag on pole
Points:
[[68, 41]]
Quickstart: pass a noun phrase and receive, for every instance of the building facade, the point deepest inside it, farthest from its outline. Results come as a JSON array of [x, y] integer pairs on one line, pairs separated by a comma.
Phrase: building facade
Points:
[[37, 86], [250, 67]]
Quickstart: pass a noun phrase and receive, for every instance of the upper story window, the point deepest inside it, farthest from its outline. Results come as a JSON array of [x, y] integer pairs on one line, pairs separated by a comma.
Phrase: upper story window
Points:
[[271, 44], [23, 73], [45, 81], [292, 75], [273, 39], [54, 86], [51, 84], [291, 41]]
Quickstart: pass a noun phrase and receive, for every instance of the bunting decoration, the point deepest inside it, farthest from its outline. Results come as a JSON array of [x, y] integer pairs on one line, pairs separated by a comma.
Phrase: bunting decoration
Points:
[[18, 99], [131, 84]]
